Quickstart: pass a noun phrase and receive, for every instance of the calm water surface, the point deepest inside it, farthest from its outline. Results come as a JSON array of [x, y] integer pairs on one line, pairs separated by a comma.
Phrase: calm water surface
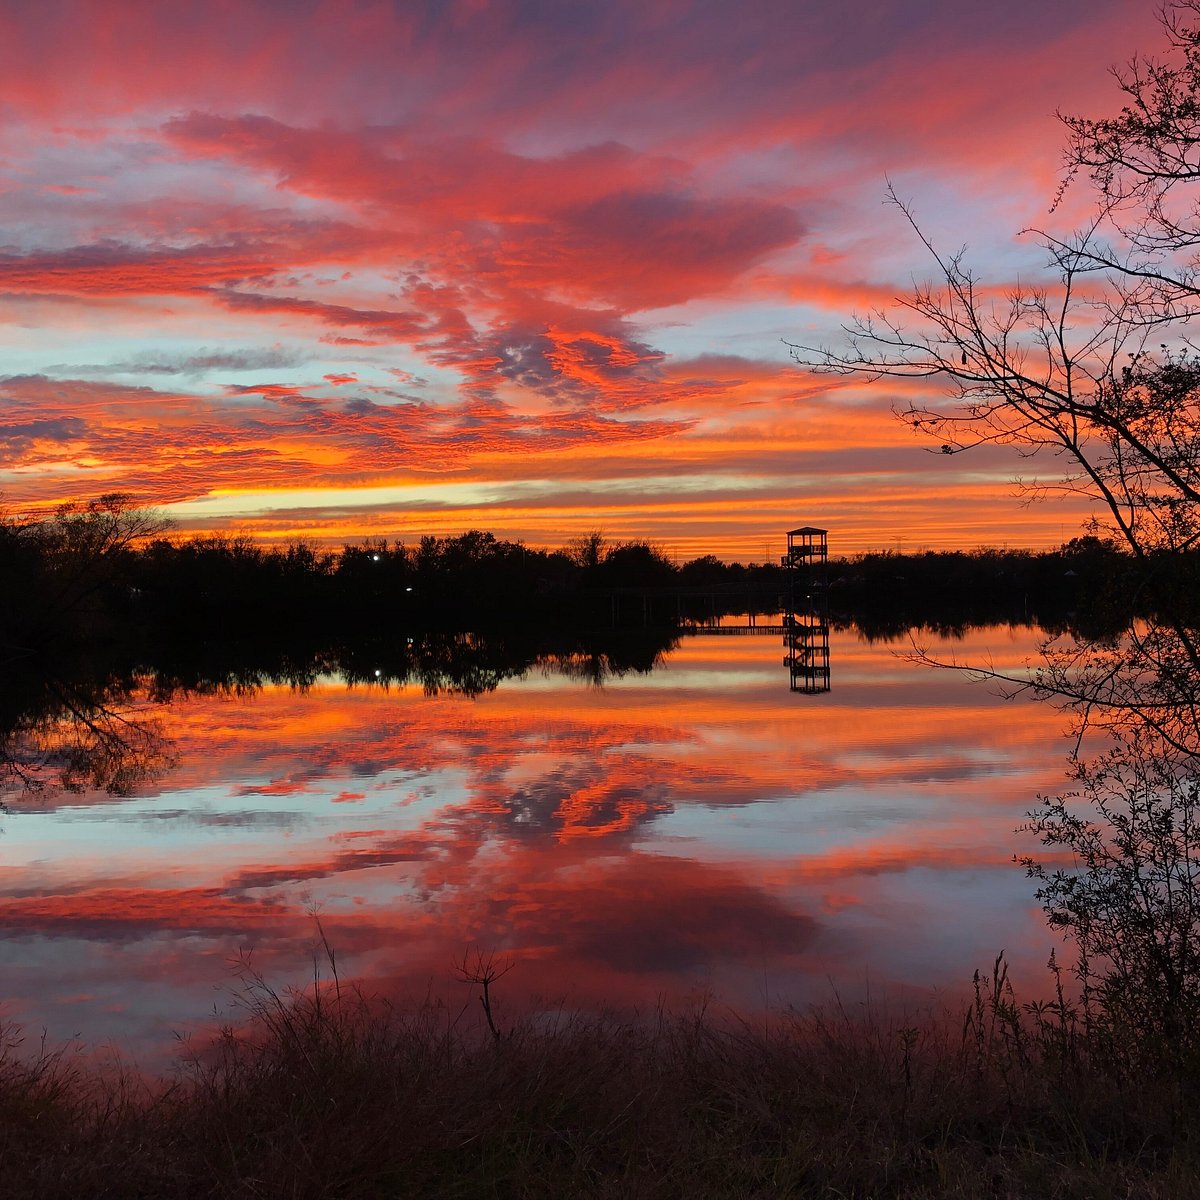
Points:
[[698, 828]]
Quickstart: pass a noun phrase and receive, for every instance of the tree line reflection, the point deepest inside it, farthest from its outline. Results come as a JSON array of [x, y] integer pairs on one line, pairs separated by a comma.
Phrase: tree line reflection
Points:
[[83, 725]]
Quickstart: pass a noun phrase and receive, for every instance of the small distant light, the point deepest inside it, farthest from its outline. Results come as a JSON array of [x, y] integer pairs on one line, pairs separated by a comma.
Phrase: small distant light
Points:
[[374, 557], [408, 589], [378, 672]]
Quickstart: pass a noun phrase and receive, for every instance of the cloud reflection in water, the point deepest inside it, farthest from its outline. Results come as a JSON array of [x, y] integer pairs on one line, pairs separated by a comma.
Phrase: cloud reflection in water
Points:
[[700, 827]]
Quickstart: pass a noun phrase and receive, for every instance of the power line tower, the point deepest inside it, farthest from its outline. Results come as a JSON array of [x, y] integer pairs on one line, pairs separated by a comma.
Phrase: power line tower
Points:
[[806, 621]]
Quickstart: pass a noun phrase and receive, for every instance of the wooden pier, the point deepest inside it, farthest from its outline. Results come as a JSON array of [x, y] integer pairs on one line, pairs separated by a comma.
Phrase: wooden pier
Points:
[[733, 630]]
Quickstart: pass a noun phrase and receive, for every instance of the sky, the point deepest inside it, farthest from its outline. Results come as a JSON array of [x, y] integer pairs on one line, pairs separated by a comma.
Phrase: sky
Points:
[[335, 270]]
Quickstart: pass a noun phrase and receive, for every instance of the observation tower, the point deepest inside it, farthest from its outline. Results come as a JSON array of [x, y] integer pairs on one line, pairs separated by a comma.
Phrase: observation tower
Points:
[[806, 619]]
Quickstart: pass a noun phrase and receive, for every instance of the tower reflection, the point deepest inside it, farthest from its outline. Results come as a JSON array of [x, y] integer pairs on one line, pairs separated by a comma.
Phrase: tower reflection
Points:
[[806, 618]]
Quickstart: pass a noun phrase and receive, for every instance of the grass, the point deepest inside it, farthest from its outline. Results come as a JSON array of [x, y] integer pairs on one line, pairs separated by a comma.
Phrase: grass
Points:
[[332, 1094]]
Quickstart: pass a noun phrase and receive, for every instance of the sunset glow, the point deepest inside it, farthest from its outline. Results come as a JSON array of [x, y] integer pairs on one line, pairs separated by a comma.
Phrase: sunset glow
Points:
[[331, 270]]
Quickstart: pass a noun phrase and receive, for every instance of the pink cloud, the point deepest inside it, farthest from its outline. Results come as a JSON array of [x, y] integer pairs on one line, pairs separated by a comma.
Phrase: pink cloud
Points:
[[532, 204]]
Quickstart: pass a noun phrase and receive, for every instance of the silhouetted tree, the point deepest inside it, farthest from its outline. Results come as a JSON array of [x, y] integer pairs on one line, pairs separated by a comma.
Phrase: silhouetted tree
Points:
[[1131, 901], [707, 569], [634, 564], [589, 550], [68, 565], [1094, 371]]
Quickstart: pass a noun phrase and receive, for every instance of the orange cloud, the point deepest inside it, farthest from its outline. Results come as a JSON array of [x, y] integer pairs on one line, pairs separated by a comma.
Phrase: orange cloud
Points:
[[528, 247]]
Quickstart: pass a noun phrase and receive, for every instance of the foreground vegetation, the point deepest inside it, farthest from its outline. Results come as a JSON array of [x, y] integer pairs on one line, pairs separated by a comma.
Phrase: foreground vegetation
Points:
[[327, 1094]]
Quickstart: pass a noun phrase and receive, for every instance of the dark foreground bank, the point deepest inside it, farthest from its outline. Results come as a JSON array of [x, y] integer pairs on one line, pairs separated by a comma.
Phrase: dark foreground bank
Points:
[[336, 1097]]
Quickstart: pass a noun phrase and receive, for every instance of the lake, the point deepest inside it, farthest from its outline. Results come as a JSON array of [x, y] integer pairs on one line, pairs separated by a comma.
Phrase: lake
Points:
[[692, 830]]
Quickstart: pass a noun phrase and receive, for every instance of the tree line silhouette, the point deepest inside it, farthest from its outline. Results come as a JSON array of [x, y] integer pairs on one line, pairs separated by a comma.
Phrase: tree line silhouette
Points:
[[107, 570], [92, 721]]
